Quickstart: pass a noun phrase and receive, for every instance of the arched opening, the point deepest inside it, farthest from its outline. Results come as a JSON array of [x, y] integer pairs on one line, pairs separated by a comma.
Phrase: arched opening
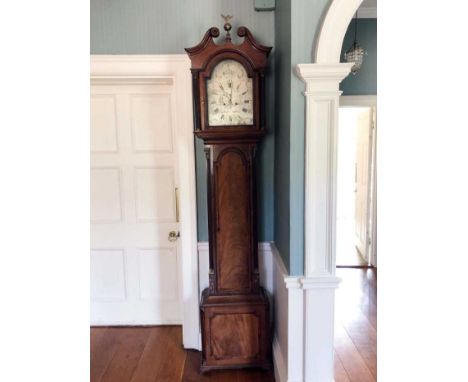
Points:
[[322, 80], [355, 200], [333, 30], [356, 149]]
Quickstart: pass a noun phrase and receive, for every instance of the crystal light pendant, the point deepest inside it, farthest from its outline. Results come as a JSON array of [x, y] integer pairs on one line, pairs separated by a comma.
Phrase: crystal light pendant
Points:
[[356, 53]]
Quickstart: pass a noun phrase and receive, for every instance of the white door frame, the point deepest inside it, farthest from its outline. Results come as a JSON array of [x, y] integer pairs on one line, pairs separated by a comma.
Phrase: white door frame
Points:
[[173, 69], [322, 94], [373, 257], [368, 101]]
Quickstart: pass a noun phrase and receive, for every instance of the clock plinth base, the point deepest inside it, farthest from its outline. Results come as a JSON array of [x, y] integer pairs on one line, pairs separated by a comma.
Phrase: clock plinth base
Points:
[[235, 331]]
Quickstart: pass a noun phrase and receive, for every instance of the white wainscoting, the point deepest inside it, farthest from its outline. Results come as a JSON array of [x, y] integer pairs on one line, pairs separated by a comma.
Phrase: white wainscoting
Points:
[[286, 302], [280, 317]]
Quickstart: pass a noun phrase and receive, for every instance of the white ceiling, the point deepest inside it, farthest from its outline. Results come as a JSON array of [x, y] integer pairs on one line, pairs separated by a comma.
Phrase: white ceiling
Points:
[[368, 9]]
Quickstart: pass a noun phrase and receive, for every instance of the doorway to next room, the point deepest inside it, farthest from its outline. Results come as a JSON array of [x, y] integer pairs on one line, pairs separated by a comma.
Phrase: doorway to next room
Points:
[[356, 188]]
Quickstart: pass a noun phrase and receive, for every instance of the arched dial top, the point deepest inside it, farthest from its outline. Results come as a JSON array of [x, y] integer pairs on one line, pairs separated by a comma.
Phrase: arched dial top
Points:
[[230, 95]]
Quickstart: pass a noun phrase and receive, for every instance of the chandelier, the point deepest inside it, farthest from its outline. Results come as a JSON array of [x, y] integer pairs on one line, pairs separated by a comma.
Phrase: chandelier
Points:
[[356, 52]]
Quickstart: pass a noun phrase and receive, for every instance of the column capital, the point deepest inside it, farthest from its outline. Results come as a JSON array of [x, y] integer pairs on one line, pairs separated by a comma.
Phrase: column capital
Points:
[[322, 79]]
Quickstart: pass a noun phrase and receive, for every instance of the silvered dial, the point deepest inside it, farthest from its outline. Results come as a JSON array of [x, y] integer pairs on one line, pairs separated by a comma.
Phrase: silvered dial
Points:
[[230, 99]]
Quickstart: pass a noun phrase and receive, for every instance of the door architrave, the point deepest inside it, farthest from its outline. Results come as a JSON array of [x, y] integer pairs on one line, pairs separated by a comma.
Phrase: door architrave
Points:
[[175, 69], [371, 102]]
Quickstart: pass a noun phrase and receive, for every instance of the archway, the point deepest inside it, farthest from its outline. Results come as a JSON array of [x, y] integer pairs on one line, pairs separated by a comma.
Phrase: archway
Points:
[[322, 93], [333, 30]]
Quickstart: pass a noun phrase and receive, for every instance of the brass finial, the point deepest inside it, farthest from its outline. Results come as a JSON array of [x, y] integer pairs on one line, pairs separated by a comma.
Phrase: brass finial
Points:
[[227, 26]]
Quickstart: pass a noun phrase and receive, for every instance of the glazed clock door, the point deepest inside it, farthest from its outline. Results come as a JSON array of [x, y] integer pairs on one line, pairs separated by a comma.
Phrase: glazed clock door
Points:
[[230, 95]]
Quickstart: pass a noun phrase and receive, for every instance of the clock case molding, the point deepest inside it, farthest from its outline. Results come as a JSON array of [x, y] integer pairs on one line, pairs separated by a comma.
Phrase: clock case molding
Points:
[[235, 313]]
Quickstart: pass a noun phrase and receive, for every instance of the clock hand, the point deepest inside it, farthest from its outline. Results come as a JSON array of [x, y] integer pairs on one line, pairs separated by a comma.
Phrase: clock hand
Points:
[[230, 85]]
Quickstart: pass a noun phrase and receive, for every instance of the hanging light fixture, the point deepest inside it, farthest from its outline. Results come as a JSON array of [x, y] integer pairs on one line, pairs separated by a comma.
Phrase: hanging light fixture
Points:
[[356, 53]]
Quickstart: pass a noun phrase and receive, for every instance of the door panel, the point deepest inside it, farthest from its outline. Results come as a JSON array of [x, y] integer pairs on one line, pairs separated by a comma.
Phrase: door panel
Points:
[[134, 267]]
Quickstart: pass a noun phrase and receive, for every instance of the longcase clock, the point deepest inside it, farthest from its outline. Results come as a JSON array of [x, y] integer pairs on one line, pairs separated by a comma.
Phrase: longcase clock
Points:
[[228, 96]]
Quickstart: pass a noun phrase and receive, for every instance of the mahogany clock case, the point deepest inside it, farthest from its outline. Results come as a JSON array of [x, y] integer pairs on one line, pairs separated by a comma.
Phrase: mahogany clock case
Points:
[[235, 315]]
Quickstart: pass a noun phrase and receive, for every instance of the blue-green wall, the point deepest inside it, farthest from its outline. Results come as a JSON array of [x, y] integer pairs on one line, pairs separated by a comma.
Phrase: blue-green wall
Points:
[[282, 118], [364, 82], [167, 27], [296, 25]]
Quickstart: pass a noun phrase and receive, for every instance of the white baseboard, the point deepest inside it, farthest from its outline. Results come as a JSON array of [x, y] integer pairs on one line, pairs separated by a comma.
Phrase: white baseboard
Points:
[[281, 317]]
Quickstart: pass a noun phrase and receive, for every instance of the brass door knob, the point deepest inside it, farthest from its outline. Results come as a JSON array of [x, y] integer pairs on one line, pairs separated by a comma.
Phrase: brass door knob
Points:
[[173, 235]]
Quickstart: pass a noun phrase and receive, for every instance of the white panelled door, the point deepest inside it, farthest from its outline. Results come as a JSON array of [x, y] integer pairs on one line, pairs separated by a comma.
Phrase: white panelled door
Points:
[[135, 268]]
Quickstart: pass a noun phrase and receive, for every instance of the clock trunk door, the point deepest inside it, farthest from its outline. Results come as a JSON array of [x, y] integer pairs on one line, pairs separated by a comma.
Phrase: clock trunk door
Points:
[[233, 219]]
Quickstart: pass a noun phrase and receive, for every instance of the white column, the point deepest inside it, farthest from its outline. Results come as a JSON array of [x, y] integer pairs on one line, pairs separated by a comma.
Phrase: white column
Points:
[[319, 284]]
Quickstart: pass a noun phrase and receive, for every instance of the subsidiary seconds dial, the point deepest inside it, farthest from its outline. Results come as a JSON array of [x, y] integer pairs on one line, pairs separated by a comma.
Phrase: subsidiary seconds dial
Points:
[[230, 98]]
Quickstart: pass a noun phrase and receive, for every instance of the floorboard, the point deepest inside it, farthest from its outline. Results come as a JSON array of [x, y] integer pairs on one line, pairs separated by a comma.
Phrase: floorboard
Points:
[[356, 324], [131, 342], [155, 354], [102, 351], [351, 359], [340, 373], [192, 363], [173, 356], [147, 369], [97, 337]]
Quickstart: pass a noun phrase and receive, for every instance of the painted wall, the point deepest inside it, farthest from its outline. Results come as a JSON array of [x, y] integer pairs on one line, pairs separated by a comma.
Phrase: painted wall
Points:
[[296, 26], [167, 27], [364, 82], [282, 118]]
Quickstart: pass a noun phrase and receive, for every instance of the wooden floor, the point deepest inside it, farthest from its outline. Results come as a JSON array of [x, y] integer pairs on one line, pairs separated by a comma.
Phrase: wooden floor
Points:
[[140, 354], [137, 354], [356, 326]]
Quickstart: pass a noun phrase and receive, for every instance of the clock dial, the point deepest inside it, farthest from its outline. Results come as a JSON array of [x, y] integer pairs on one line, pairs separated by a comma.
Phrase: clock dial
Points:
[[230, 96]]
